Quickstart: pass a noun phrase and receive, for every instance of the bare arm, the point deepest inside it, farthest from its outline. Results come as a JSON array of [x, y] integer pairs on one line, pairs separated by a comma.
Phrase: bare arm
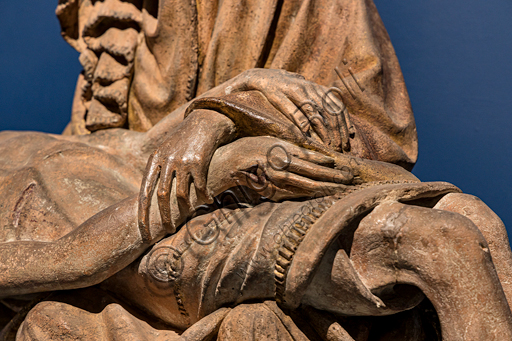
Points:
[[98, 248], [111, 240]]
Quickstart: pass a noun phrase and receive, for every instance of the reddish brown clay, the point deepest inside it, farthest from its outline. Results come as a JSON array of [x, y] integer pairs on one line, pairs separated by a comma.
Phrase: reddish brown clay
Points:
[[239, 170]]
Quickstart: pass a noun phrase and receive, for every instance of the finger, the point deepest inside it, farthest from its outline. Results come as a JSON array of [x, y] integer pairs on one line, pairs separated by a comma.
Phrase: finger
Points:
[[290, 110], [324, 109], [146, 193], [182, 194], [341, 117], [202, 193], [255, 178], [335, 96], [351, 128], [315, 157], [283, 151], [304, 186], [344, 132], [330, 112], [316, 120], [320, 173], [164, 195]]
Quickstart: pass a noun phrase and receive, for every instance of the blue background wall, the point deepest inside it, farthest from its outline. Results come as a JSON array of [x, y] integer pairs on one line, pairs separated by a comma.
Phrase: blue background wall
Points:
[[455, 55]]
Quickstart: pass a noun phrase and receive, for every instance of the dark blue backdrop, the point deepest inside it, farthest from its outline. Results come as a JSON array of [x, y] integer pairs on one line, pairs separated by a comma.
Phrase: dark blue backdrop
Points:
[[455, 56]]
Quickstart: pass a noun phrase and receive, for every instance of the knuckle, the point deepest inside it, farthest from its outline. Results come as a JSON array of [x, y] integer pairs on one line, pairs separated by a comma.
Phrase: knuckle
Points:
[[191, 160], [170, 158], [162, 193]]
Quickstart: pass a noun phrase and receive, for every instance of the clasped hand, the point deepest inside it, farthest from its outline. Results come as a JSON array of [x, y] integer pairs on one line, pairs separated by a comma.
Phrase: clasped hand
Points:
[[184, 158]]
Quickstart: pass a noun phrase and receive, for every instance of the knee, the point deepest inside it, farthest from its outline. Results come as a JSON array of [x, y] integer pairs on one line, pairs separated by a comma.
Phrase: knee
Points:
[[462, 203], [401, 227], [252, 322], [54, 320], [396, 239], [41, 322], [480, 214], [469, 206]]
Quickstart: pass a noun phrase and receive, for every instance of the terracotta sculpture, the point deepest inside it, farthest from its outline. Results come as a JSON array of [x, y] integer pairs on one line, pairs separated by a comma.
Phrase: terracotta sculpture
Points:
[[240, 171]]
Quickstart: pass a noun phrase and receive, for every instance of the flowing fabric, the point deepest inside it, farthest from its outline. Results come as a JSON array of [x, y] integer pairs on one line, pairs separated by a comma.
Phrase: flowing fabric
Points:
[[268, 252], [200, 44]]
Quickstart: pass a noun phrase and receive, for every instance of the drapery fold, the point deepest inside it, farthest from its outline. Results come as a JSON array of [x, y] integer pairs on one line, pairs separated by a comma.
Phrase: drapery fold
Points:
[[192, 46]]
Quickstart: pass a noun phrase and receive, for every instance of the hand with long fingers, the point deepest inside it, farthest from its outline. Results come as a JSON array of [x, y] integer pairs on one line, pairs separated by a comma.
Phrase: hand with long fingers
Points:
[[183, 159], [276, 169], [312, 107]]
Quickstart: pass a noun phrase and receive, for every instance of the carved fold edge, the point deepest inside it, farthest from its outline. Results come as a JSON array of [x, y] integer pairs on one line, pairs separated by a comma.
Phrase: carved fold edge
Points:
[[294, 236], [174, 271], [291, 240]]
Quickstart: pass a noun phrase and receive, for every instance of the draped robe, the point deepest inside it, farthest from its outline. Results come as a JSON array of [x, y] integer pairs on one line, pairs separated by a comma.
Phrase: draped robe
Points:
[[198, 45]]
